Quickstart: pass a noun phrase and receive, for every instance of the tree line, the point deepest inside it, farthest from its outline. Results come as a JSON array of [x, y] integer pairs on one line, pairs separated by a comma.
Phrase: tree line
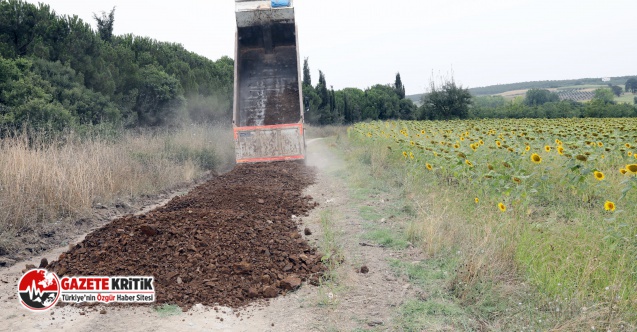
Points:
[[323, 105], [56, 71], [543, 103]]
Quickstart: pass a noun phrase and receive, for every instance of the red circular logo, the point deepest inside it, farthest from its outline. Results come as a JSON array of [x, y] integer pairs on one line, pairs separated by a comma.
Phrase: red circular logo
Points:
[[39, 290]]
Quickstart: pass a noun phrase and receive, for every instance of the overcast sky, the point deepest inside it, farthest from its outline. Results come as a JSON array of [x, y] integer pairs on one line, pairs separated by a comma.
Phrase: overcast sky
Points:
[[361, 43]]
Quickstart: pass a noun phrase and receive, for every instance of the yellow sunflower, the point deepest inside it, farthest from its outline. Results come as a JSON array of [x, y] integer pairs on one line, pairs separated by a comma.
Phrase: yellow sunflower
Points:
[[632, 168], [560, 150], [536, 158], [599, 175], [527, 148], [428, 166], [477, 200], [466, 161], [623, 171], [609, 206], [547, 148], [502, 207]]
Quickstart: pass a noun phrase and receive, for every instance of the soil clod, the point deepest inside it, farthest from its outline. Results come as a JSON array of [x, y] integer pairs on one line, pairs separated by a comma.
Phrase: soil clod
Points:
[[291, 283], [149, 230], [27, 268], [213, 245]]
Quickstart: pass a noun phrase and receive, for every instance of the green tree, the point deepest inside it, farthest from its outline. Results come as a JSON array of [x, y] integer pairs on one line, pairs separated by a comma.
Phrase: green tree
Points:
[[307, 77], [311, 101], [381, 102], [537, 97], [399, 87], [604, 95], [105, 25], [407, 109], [159, 98], [489, 101], [631, 85], [617, 90], [324, 113], [598, 108], [21, 26], [352, 101], [335, 113], [449, 101]]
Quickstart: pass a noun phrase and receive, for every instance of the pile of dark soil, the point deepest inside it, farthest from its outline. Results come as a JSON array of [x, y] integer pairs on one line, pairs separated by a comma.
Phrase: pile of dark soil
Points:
[[229, 241]]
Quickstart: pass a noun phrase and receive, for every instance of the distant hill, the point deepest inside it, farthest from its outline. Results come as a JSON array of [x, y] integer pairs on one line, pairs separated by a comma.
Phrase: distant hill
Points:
[[501, 88]]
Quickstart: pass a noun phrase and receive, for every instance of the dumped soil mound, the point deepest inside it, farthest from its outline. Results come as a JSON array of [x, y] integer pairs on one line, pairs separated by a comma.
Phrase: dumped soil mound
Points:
[[229, 241]]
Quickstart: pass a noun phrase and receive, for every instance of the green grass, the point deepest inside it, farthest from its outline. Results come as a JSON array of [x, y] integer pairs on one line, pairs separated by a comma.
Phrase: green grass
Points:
[[627, 98], [432, 315], [369, 213], [390, 190], [331, 246], [548, 256], [386, 237], [422, 272], [329, 242]]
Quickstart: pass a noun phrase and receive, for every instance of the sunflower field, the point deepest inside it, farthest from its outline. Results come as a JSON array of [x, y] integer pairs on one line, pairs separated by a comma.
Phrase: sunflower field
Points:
[[565, 189]]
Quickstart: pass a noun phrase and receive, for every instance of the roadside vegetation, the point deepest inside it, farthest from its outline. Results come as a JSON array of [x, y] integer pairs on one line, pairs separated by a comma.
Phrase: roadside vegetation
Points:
[[535, 215], [60, 179]]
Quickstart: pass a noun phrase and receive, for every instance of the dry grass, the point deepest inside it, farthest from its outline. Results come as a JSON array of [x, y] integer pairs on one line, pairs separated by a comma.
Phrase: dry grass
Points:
[[323, 131], [64, 178]]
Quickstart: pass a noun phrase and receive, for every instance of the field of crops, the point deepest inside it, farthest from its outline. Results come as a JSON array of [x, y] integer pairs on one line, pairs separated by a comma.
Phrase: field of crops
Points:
[[565, 189]]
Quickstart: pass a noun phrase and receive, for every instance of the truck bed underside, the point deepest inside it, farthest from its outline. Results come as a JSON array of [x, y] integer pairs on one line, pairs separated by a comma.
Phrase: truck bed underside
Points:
[[269, 87], [268, 115]]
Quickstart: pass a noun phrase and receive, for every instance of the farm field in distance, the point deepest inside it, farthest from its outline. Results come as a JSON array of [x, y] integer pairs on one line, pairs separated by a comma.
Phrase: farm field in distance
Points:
[[551, 199]]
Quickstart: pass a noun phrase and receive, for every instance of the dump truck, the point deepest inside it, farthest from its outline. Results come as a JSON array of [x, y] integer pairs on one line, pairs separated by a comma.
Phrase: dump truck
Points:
[[268, 112]]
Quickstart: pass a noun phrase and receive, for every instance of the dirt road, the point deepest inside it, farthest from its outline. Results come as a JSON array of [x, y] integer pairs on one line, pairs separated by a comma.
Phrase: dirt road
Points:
[[349, 300]]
